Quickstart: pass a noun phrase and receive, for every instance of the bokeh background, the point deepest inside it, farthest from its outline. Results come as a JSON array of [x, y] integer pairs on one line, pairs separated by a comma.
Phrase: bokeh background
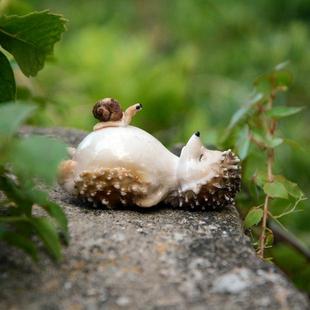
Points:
[[191, 64]]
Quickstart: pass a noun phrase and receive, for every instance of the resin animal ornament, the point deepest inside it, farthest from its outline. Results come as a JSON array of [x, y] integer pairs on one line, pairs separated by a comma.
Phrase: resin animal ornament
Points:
[[122, 164]]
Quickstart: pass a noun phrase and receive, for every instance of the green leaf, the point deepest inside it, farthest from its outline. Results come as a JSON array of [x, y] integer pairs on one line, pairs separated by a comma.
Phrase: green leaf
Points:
[[291, 187], [269, 237], [18, 194], [275, 190], [31, 196], [25, 196], [58, 214], [37, 157], [241, 114], [237, 117], [280, 79], [48, 234], [20, 242], [12, 115], [31, 38], [293, 144], [259, 138], [52, 209], [13, 219], [274, 141], [253, 217], [243, 142], [259, 178], [283, 78], [267, 141], [282, 65], [7, 80], [280, 112]]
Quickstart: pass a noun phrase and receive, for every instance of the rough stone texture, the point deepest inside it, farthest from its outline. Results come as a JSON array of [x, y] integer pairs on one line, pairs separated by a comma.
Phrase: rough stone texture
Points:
[[146, 259]]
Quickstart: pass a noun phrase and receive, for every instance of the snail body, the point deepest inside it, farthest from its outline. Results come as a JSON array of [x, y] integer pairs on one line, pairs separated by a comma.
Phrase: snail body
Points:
[[123, 164]]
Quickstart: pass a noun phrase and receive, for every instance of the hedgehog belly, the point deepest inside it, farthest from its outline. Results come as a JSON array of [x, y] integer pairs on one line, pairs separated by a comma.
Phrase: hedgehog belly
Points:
[[123, 166], [111, 186]]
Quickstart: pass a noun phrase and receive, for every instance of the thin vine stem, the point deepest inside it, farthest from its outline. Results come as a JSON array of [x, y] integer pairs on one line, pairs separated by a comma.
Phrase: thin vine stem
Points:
[[271, 127], [263, 232]]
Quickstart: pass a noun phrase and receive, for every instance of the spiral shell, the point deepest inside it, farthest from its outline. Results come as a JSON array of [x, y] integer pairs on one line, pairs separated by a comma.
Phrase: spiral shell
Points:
[[107, 109]]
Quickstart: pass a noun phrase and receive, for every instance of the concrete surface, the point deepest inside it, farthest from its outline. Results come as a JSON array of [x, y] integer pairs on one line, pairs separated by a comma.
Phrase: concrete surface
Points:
[[156, 259]]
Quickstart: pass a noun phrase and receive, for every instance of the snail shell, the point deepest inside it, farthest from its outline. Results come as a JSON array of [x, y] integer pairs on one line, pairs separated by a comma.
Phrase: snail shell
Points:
[[107, 109], [110, 114]]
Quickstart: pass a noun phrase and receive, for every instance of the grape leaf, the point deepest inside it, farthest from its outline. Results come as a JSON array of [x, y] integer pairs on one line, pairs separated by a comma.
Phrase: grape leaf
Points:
[[7, 81], [31, 38]]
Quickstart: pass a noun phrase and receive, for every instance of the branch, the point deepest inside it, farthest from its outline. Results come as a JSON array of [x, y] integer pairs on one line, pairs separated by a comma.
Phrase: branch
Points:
[[288, 238]]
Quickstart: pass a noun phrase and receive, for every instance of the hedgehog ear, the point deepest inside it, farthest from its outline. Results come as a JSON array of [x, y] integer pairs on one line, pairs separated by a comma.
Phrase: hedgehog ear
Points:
[[193, 148]]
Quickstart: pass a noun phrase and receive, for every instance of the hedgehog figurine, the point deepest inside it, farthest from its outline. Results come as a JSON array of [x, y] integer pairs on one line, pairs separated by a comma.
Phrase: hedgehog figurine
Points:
[[121, 164]]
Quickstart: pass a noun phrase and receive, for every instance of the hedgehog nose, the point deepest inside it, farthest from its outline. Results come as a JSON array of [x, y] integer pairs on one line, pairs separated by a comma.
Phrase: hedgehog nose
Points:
[[139, 106]]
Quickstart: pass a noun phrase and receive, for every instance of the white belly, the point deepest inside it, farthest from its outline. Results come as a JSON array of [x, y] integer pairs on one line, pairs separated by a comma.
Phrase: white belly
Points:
[[126, 147]]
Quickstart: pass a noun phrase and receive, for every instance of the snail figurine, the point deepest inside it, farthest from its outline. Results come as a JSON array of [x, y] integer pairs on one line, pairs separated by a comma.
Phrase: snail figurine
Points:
[[122, 164]]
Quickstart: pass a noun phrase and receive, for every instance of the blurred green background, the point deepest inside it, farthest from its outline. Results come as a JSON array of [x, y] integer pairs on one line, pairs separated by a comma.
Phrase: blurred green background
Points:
[[191, 64]]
